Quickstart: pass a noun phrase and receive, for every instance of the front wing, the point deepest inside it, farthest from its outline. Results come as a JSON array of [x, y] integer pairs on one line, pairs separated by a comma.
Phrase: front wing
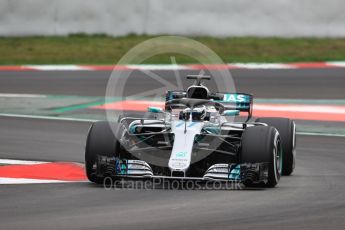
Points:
[[138, 169]]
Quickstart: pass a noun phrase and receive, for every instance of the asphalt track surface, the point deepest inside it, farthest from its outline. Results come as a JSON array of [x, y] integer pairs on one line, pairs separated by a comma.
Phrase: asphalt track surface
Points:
[[289, 83], [312, 198]]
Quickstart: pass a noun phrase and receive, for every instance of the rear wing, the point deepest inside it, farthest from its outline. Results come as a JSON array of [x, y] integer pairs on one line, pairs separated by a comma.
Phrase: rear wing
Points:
[[232, 101], [235, 101]]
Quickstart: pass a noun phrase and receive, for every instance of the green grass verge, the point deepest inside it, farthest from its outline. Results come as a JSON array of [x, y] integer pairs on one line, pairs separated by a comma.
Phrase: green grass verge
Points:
[[100, 49]]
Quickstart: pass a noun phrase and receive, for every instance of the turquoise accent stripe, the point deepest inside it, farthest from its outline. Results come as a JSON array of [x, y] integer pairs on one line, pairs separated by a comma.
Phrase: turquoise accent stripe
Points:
[[235, 173], [132, 128], [214, 130], [192, 124], [179, 124]]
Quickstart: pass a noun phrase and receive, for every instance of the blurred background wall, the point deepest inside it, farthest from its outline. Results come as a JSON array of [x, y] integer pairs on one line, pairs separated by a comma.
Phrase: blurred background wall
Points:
[[282, 18]]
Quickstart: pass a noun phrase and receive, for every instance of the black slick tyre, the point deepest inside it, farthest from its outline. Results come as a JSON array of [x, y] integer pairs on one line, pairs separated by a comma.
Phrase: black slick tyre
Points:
[[287, 132], [262, 144], [100, 141]]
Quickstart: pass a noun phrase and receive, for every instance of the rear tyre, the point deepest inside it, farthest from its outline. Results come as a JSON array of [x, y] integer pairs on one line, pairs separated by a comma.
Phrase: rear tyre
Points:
[[262, 144], [287, 132], [100, 141]]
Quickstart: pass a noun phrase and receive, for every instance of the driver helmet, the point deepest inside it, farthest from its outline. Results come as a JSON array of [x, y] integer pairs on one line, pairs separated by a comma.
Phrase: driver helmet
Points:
[[198, 113]]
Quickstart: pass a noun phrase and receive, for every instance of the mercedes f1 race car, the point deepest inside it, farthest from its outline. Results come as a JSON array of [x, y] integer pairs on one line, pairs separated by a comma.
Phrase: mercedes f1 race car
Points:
[[195, 137]]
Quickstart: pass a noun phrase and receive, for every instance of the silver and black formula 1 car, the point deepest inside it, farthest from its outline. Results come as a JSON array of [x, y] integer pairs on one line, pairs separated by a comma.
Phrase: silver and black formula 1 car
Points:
[[193, 139]]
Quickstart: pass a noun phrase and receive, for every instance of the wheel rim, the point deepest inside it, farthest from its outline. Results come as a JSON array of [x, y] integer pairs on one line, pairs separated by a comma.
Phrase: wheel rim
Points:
[[279, 157]]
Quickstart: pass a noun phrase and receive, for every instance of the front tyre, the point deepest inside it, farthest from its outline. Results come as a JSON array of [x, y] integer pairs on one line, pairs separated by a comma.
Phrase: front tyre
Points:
[[262, 144], [100, 141], [287, 132]]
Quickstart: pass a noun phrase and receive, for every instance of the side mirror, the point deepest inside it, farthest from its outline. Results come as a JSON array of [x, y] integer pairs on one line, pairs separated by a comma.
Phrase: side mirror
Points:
[[230, 113], [155, 110]]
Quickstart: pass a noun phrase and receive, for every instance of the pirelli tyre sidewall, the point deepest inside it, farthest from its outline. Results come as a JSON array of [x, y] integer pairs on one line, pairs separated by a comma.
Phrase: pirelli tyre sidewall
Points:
[[100, 141], [287, 132], [262, 144]]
